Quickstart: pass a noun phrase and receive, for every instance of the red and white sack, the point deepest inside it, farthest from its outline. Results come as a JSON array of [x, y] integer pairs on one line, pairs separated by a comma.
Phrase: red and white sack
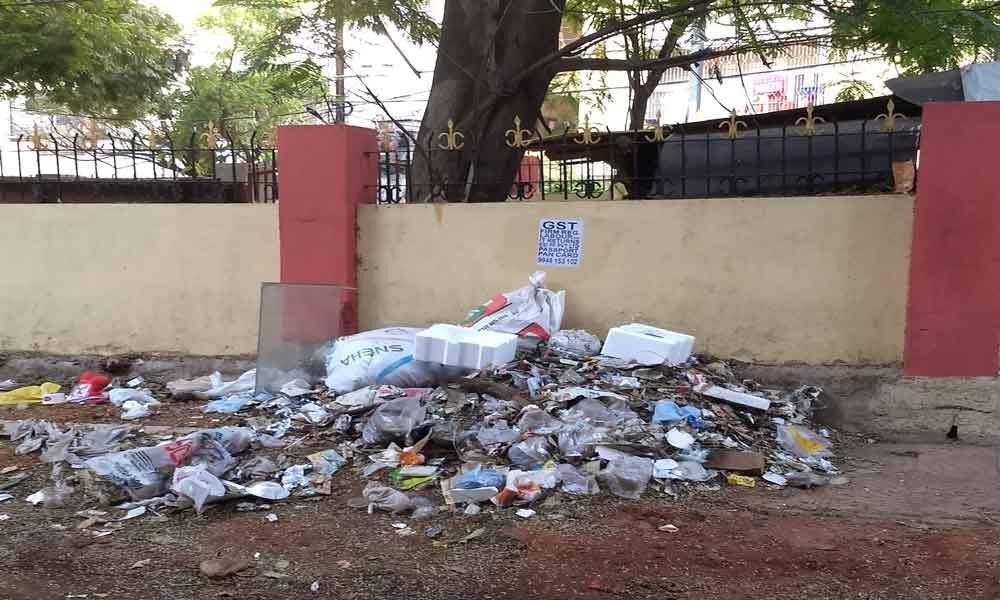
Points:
[[533, 313]]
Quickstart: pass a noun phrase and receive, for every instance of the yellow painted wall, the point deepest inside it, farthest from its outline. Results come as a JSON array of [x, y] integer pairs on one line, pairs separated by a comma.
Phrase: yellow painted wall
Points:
[[813, 280], [133, 277]]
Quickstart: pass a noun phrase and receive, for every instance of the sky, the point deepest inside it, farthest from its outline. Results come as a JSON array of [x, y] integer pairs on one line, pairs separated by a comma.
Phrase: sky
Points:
[[370, 56]]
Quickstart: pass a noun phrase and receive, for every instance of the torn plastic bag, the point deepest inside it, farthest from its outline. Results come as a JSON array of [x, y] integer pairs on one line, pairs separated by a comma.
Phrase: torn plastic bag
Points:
[[132, 410], [145, 472], [229, 405], [526, 486], [393, 421], [668, 411], [576, 342], [533, 313], [183, 388], [580, 439], [530, 453], [627, 477], [577, 482], [499, 433], [119, 396], [385, 498], [592, 410], [378, 356], [689, 470], [199, 485], [478, 478], [535, 421], [245, 383], [803, 442]]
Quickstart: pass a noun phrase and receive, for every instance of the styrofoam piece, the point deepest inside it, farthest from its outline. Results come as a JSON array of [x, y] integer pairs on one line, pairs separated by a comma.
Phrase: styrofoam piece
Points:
[[738, 398], [648, 345], [455, 346]]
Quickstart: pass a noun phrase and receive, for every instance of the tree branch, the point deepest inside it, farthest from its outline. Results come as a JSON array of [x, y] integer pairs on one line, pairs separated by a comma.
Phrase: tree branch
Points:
[[610, 31]]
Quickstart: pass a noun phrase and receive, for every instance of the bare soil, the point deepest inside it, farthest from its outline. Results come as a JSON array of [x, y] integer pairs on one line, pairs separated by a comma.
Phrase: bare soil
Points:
[[916, 521]]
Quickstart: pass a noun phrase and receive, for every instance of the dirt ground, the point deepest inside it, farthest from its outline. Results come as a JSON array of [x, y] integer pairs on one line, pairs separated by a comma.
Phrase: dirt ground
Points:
[[915, 521]]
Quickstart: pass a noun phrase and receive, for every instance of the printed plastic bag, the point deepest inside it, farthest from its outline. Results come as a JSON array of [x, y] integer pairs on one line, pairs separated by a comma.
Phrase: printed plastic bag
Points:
[[627, 477], [378, 356], [89, 387], [533, 313], [803, 442], [145, 472], [393, 421], [31, 394]]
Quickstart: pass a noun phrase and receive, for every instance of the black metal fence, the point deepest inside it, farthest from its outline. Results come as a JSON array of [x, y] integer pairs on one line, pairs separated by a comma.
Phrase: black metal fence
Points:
[[836, 149], [46, 169]]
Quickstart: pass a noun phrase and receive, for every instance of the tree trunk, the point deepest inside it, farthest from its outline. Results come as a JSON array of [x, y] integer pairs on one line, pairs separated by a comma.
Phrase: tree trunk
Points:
[[486, 46]]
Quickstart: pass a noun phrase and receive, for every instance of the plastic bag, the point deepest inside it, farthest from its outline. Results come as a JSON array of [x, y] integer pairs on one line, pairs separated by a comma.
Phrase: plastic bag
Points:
[[132, 410], [145, 472], [245, 383], [668, 411], [530, 453], [532, 313], [378, 356], [576, 342], [31, 394], [803, 442], [499, 433], [577, 482], [526, 486], [536, 421], [89, 386], [197, 484], [119, 396], [580, 439], [385, 498], [627, 477], [393, 421], [229, 405], [479, 478]]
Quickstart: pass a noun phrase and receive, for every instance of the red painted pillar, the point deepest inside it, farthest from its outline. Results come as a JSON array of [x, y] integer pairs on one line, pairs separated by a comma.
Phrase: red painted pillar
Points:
[[953, 314], [325, 172]]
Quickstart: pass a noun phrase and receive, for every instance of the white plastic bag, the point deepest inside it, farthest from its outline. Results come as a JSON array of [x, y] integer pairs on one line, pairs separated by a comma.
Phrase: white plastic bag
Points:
[[245, 383], [533, 313], [378, 356], [199, 485]]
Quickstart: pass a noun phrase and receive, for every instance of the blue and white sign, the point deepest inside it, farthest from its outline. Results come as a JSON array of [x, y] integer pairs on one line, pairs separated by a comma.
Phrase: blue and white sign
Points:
[[560, 242]]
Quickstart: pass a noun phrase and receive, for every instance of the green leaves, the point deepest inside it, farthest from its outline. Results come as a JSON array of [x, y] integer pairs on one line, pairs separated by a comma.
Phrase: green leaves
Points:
[[112, 57]]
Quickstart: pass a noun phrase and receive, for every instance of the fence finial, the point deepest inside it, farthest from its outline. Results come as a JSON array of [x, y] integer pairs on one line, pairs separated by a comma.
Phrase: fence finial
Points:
[[658, 132], [732, 126], [890, 117], [518, 137], [453, 139], [809, 122], [588, 135]]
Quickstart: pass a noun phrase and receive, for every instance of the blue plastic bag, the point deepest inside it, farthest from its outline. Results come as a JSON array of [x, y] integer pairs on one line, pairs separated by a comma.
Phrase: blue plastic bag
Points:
[[667, 411], [479, 478]]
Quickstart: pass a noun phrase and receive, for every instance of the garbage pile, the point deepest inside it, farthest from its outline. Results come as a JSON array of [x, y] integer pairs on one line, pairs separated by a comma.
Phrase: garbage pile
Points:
[[444, 415]]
